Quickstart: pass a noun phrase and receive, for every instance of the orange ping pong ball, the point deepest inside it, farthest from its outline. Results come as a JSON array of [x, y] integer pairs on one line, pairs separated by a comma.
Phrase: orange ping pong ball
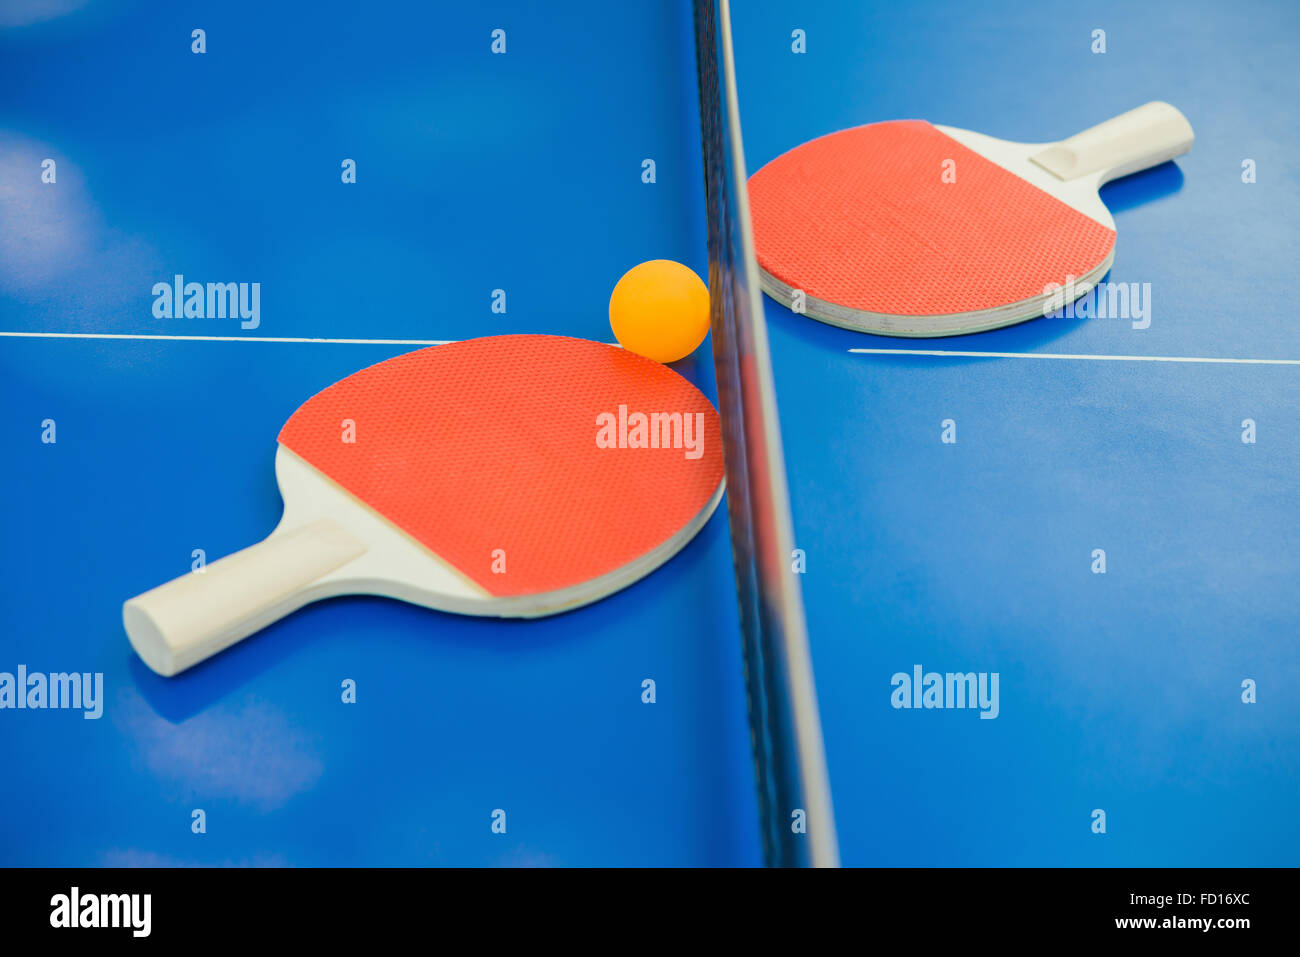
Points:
[[660, 309]]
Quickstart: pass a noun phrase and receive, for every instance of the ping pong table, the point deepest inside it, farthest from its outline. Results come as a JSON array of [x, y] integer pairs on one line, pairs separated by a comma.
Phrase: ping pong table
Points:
[[505, 192]]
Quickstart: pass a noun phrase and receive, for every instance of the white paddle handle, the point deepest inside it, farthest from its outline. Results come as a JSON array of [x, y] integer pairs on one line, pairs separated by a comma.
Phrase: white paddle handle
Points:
[[1132, 141], [193, 617]]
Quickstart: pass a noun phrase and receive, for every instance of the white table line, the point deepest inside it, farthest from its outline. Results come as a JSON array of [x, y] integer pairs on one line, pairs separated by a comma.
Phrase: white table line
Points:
[[116, 335], [1061, 355], [1212, 360]]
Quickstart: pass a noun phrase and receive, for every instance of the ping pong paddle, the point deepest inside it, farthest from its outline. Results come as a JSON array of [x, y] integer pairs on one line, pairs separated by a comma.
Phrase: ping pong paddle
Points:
[[514, 476], [907, 229]]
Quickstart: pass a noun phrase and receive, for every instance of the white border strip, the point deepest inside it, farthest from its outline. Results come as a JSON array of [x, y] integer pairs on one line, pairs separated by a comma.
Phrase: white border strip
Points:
[[1061, 355]]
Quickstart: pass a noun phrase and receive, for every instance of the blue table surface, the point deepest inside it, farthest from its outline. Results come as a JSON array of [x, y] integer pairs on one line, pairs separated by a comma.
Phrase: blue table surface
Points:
[[523, 172]]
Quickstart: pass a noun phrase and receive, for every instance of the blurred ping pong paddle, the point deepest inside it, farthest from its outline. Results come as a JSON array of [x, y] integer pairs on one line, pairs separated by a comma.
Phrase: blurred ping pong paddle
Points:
[[907, 229], [476, 484]]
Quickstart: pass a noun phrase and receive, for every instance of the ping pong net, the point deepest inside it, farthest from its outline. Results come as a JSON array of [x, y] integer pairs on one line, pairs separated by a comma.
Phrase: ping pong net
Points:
[[786, 729]]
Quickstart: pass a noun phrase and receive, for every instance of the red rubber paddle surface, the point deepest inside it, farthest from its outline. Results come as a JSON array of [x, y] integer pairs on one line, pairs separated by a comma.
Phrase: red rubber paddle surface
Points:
[[491, 443], [863, 219]]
